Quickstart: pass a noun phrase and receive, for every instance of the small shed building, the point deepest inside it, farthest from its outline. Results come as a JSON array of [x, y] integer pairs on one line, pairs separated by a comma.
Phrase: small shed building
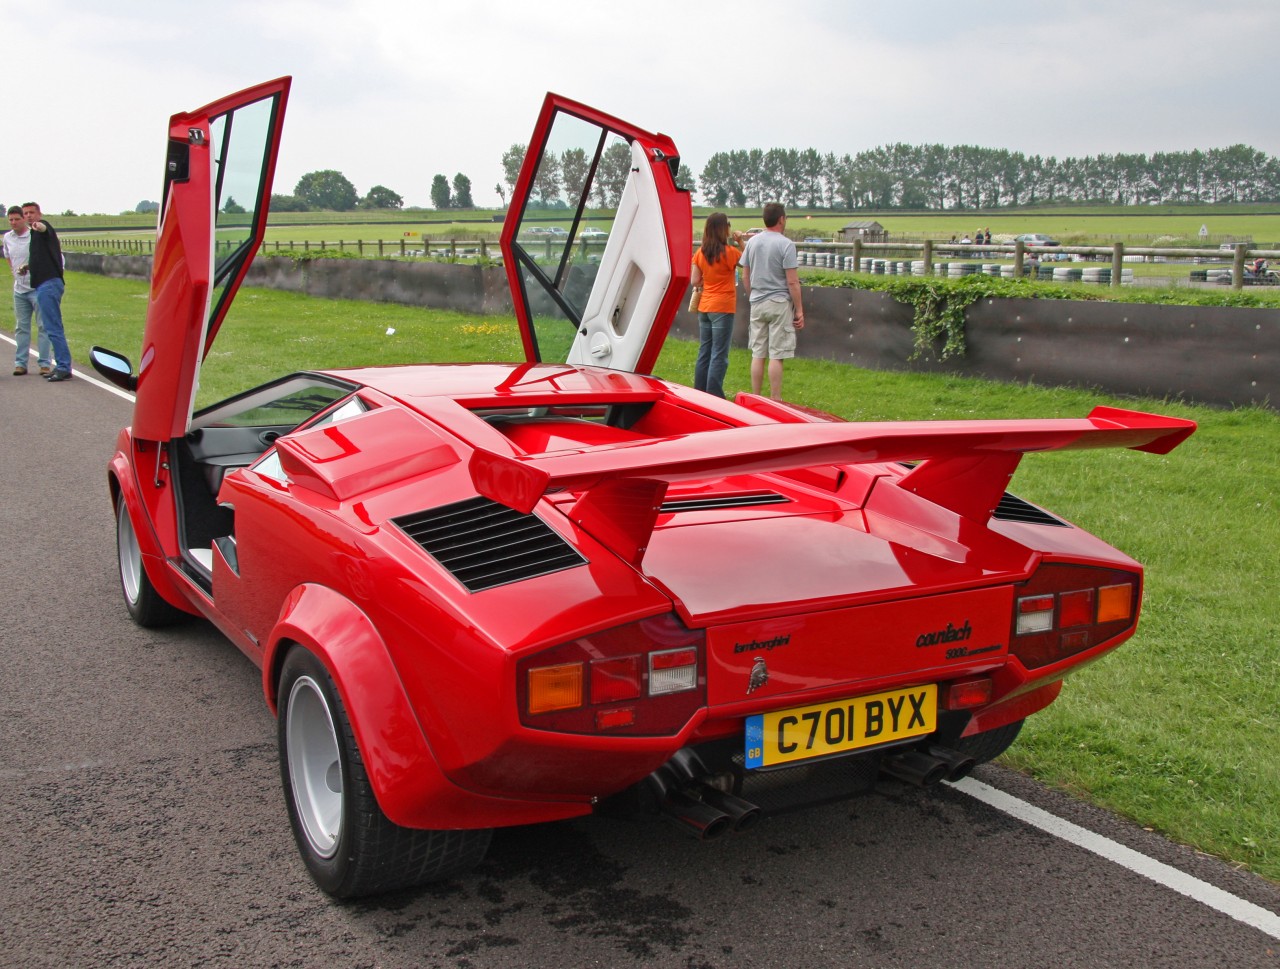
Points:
[[864, 232]]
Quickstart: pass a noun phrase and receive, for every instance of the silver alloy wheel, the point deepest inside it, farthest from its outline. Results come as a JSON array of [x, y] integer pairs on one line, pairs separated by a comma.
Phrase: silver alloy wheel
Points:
[[315, 767], [130, 556]]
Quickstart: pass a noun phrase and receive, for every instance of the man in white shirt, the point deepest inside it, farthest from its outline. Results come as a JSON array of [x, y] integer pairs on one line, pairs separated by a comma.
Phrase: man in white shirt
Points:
[[17, 249], [769, 275]]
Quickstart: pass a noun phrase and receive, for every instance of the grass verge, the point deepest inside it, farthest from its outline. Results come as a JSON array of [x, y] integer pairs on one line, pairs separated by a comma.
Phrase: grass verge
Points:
[[1175, 730]]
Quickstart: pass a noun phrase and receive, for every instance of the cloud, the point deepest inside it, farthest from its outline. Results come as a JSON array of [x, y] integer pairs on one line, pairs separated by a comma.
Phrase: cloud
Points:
[[395, 92]]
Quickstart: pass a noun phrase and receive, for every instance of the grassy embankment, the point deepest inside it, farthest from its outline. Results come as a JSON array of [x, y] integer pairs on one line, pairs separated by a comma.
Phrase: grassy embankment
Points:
[[1176, 729]]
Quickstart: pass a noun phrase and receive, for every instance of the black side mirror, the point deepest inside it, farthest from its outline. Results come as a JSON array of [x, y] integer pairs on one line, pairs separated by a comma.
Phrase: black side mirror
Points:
[[115, 367]]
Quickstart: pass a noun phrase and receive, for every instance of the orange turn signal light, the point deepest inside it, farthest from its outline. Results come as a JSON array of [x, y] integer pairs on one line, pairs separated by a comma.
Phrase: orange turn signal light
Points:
[[1115, 602], [555, 687]]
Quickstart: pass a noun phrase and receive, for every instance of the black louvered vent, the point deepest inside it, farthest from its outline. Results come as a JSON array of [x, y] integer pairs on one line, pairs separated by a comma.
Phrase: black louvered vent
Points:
[[485, 544], [711, 502], [1014, 509]]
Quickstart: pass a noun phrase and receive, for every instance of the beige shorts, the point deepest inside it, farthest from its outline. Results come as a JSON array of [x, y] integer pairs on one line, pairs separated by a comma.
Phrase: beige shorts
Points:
[[772, 332]]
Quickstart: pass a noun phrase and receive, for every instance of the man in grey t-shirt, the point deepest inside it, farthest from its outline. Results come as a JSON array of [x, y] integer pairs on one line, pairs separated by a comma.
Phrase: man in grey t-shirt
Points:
[[773, 287]]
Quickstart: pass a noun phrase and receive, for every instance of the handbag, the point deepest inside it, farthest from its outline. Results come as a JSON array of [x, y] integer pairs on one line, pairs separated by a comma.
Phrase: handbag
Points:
[[695, 294]]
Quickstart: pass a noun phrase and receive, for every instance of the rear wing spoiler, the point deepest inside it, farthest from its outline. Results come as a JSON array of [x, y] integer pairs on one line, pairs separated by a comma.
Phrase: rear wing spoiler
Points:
[[964, 465]]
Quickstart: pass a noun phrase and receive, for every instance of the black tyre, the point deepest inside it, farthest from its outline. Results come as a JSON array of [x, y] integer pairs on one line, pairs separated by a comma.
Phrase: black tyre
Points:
[[144, 603], [990, 744], [350, 847]]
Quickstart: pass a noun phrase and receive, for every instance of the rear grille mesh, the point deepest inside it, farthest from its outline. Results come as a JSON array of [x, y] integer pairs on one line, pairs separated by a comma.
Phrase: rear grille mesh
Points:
[[1013, 509], [713, 502], [484, 544]]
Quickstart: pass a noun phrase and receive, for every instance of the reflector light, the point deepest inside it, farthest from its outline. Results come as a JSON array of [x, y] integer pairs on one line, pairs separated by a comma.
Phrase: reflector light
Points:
[[1115, 602], [1035, 604], [1075, 641], [555, 688], [617, 717], [965, 694], [1075, 608], [673, 670], [615, 679], [671, 658], [1035, 615]]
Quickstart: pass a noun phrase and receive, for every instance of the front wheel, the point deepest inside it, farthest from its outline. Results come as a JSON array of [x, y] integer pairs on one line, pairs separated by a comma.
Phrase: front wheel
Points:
[[146, 606], [350, 847]]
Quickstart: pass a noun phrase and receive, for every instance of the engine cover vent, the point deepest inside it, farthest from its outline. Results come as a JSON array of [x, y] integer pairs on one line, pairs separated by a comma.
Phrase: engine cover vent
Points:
[[712, 502], [484, 544], [1013, 509]]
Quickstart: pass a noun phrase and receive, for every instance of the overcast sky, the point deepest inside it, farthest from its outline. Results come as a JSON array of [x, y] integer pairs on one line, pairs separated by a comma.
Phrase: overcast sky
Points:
[[392, 92]]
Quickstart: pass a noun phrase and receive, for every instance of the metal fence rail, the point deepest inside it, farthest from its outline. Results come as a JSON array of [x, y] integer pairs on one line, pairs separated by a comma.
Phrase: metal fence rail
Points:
[[926, 258]]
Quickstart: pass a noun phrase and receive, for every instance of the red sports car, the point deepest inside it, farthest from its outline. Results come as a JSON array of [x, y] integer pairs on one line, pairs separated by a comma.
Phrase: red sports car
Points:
[[506, 593]]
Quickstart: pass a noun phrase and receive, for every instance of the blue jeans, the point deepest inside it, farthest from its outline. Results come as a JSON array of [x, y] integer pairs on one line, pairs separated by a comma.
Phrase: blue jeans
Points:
[[49, 299], [714, 332], [24, 308]]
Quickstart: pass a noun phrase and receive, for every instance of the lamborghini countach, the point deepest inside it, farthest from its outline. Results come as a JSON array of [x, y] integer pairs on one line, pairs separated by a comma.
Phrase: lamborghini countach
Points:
[[497, 594]]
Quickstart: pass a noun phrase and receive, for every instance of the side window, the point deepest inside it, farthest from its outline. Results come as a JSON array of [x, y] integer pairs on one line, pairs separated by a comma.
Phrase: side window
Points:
[[564, 226], [240, 150]]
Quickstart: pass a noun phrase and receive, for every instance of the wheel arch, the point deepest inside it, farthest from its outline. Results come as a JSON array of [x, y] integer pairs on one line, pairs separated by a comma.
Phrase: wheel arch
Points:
[[122, 485], [410, 787], [398, 760]]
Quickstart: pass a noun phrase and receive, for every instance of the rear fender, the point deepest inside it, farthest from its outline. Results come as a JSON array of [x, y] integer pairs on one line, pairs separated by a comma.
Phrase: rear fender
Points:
[[407, 781]]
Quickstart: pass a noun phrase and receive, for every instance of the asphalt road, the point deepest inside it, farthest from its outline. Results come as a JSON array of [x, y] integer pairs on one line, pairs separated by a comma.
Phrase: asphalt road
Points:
[[143, 823]]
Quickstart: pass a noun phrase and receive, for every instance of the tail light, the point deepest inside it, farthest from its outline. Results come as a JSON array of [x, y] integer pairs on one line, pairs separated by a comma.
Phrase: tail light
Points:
[[1066, 609], [645, 678]]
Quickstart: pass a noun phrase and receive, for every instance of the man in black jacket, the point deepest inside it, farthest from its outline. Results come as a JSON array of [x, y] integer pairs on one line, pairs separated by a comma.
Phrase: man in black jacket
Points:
[[45, 262]]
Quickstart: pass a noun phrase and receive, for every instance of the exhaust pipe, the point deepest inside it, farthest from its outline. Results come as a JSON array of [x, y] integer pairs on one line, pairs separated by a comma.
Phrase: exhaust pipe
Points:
[[958, 765], [699, 817], [682, 791], [742, 814], [915, 768]]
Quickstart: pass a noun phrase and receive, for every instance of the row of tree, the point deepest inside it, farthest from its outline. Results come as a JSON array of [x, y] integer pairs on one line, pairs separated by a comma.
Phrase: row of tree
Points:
[[330, 190], [968, 177], [559, 179], [891, 176]]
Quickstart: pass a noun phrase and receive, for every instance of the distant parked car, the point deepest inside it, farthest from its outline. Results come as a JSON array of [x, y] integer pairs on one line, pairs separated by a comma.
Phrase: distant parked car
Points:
[[593, 234], [1035, 239], [815, 239]]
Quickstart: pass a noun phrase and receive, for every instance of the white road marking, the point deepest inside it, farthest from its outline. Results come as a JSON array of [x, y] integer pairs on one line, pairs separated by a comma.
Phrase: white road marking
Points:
[[1160, 873], [80, 374]]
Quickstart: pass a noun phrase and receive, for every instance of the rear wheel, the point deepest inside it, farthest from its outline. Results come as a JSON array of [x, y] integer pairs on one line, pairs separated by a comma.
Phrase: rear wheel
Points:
[[990, 744], [350, 847], [144, 603]]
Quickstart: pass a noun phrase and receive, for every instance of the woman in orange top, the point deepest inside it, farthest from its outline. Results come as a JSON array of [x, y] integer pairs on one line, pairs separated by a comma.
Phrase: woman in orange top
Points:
[[714, 273]]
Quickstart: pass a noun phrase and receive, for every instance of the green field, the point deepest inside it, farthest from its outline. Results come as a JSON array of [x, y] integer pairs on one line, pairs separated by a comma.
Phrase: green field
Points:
[[1175, 730], [1132, 225]]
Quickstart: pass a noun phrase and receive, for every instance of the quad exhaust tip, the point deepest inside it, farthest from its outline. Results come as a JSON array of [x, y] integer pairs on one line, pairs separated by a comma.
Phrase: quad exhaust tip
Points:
[[685, 791], [924, 769]]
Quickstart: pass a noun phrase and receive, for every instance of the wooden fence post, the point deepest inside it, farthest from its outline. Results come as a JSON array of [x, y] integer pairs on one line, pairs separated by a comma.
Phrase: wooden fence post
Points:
[[927, 255], [1117, 264]]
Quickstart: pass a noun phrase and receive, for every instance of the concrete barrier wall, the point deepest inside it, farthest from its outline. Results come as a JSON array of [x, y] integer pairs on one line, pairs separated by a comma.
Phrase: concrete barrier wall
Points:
[[1215, 355]]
